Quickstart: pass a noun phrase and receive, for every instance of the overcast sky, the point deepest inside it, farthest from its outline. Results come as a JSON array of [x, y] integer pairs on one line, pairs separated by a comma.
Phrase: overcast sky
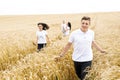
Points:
[[14, 7]]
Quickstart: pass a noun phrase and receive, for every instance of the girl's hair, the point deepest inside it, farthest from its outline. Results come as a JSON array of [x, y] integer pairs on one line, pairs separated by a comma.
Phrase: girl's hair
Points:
[[45, 26], [69, 25]]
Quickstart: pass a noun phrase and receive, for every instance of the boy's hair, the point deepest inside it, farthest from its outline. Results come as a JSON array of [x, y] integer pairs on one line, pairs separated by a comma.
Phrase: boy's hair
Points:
[[45, 26], [86, 18]]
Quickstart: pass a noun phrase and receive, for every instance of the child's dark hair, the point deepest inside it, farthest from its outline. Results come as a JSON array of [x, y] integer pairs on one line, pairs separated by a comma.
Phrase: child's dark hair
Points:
[[69, 25], [85, 18], [45, 26]]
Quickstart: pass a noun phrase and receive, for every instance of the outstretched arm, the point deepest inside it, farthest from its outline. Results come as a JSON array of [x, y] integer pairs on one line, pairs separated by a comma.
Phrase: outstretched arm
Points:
[[66, 48], [36, 40], [97, 47]]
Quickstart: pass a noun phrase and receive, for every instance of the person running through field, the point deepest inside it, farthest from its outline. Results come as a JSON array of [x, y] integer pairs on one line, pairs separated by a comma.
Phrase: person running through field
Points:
[[82, 40], [65, 29], [42, 36]]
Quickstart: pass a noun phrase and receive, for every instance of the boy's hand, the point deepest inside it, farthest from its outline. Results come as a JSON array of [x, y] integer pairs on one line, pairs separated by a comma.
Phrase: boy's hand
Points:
[[103, 51], [57, 58]]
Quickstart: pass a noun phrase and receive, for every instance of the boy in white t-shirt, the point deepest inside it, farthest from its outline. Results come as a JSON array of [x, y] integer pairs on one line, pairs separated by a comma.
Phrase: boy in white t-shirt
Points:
[[42, 36], [82, 40]]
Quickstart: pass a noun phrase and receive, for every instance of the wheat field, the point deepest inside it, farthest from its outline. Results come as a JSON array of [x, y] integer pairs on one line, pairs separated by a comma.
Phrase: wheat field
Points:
[[20, 61]]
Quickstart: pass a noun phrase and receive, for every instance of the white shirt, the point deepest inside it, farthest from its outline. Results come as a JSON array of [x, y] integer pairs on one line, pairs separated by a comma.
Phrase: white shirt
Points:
[[82, 43], [67, 31], [41, 36]]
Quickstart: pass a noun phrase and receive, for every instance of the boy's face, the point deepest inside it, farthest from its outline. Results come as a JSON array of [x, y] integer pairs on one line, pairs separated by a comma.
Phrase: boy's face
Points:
[[85, 24]]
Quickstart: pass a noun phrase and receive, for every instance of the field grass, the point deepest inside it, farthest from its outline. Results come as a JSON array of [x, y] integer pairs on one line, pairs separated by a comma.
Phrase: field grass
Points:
[[20, 61]]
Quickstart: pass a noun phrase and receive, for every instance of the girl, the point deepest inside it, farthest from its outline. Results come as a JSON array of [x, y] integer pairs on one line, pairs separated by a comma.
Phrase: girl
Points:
[[65, 29], [42, 36]]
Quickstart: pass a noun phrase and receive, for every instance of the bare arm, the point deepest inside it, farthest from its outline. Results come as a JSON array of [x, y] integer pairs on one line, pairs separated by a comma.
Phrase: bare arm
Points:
[[97, 47], [36, 40], [47, 38], [66, 48]]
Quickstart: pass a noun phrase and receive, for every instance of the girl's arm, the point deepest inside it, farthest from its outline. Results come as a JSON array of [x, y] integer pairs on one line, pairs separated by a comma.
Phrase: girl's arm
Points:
[[36, 40], [47, 38]]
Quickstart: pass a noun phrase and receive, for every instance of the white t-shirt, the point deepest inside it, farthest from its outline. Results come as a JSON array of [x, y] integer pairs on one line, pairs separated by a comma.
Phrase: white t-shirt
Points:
[[82, 44], [41, 36], [67, 31]]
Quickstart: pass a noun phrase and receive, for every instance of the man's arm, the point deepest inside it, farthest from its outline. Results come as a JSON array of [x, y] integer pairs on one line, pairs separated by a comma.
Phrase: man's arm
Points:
[[66, 48], [97, 47]]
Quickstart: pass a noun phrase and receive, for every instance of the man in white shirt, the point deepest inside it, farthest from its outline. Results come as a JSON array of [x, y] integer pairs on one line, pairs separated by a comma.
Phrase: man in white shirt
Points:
[[82, 40]]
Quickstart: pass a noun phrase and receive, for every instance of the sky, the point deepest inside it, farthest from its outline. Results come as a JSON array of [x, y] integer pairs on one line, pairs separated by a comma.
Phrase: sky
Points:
[[23, 7]]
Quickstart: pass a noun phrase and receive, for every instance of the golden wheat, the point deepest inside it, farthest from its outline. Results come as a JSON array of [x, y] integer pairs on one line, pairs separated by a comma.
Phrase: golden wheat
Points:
[[20, 61]]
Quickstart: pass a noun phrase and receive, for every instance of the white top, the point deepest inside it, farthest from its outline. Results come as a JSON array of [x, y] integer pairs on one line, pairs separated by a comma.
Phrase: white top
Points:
[[67, 31], [82, 43], [41, 36]]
